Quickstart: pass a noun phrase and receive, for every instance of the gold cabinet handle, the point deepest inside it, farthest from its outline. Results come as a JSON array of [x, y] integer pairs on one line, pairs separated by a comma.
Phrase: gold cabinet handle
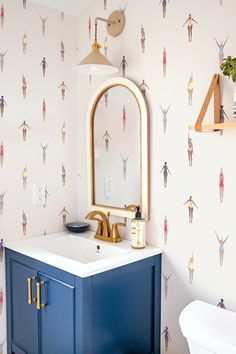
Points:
[[38, 288], [29, 280]]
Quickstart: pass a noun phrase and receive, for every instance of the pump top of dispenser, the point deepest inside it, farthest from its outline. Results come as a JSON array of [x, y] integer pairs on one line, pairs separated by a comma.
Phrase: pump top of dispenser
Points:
[[138, 215]]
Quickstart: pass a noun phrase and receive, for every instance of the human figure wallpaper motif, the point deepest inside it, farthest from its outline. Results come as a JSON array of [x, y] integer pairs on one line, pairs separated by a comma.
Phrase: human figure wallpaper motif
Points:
[[164, 45]]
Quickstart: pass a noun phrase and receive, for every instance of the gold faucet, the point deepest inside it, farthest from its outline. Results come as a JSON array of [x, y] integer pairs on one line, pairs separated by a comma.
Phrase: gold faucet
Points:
[[104, 231]]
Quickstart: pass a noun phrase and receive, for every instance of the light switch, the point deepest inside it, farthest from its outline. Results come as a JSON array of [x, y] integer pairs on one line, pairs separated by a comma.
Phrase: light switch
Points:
[[39, 193]]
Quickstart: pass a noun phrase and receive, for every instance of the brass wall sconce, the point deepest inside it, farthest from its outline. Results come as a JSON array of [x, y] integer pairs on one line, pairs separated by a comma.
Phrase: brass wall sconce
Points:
[[96, 63]]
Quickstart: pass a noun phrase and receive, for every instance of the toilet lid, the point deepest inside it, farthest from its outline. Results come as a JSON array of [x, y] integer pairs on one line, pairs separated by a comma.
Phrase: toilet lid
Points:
[[210, 327]]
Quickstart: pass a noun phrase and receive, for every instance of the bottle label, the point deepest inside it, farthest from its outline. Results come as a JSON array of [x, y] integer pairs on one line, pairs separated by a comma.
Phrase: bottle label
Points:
[[138, 234]]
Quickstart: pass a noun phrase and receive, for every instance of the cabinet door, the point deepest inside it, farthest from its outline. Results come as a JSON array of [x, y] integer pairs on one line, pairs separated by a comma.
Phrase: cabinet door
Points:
[[24, 315], [57, 324]]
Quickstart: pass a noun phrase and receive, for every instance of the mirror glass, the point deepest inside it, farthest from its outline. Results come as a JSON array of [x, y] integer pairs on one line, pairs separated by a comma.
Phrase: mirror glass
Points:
[[116, 149]]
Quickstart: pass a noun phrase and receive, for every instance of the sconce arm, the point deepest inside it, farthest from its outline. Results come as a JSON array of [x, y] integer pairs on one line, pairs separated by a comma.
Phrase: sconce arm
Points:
[[115, 23], [96, 25]]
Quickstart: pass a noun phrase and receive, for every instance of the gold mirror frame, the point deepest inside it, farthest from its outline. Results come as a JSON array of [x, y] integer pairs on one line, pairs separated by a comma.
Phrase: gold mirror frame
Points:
[[144, 148]]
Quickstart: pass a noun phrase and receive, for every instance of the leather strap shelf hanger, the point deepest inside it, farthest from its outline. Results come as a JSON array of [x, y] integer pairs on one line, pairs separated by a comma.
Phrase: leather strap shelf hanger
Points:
[[214, 89]]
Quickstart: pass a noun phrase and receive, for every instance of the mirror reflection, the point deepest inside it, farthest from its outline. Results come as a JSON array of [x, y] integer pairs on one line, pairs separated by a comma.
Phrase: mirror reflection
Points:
[[116, 149]]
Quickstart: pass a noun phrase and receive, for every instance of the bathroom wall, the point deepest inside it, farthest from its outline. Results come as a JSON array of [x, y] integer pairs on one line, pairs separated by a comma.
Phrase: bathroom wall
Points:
[[47, 130], [211, 151]]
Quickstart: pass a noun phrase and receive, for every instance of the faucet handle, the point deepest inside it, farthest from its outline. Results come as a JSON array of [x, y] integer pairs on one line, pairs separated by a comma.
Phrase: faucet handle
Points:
[[99, 228], [115, 236]]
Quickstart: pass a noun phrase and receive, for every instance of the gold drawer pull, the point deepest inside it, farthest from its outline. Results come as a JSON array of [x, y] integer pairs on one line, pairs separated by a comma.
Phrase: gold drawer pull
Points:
[[29, 280], [38, 287]]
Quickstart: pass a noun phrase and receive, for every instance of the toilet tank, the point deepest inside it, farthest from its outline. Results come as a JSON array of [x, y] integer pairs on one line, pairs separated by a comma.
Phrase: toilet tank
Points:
[[208, 329]]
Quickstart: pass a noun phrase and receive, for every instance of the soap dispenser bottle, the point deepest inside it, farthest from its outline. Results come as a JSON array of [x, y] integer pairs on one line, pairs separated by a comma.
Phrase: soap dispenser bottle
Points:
[[138, 228]]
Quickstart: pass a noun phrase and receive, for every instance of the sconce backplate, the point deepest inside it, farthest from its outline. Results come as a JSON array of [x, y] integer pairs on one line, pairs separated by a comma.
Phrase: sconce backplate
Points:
[[116, 23]]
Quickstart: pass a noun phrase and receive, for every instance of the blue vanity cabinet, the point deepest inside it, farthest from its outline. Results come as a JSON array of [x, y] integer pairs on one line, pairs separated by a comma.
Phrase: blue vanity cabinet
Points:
[[119, 311], [50, 329], [24, 320], [113, 312], [56, 320]]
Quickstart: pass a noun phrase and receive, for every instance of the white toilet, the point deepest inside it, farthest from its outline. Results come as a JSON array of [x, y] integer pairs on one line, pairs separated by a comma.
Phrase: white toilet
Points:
[[208, 329]]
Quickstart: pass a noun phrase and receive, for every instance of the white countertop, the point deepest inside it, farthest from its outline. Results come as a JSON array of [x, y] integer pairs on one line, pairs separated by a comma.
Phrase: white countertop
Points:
[[78, 254]]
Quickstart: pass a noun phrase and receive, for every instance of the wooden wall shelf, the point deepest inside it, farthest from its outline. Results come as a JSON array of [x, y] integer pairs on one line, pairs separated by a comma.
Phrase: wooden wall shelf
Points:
[[214, 89], [213, 127]]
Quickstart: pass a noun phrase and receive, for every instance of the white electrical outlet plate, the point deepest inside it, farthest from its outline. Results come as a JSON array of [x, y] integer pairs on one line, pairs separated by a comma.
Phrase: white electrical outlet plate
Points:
[[39, 193]]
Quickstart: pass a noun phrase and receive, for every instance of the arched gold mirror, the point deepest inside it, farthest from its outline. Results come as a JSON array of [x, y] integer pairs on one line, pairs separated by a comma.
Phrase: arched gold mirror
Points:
[[118, 152]]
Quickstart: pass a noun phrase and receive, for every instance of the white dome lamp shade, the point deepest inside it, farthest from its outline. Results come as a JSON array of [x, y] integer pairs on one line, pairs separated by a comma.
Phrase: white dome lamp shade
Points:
[[96, 63]]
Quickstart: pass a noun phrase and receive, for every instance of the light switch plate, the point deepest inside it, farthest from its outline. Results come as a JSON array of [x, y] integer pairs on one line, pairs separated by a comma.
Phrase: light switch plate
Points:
[[39, 192], [109, 187]]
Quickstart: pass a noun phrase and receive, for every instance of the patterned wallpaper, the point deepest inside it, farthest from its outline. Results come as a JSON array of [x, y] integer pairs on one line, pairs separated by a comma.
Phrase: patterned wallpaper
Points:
[[172, 49], [37, 123]]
